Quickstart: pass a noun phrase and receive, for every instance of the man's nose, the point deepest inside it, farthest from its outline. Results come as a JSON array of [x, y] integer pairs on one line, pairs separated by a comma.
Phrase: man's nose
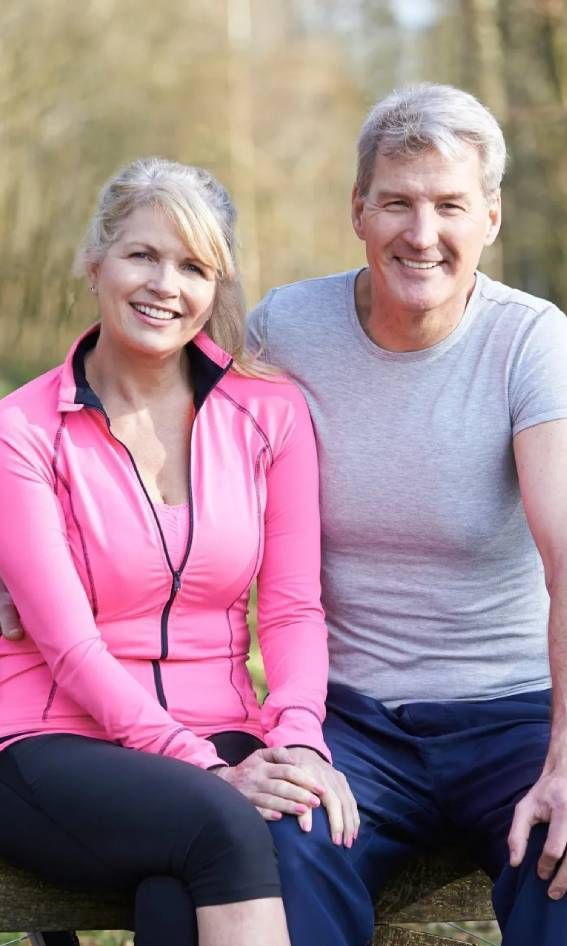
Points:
[[422, 231]]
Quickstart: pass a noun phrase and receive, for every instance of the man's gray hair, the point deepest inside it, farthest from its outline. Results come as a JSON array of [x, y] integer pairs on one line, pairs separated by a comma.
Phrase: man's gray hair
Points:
[[426, 116]]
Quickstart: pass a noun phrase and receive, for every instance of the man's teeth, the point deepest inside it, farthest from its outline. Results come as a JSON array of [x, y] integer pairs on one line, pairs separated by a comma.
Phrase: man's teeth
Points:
[[155, 313], [415, 264]]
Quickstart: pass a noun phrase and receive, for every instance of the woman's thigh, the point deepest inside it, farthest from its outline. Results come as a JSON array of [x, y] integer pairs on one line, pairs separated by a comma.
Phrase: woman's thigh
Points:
[[87, 812]]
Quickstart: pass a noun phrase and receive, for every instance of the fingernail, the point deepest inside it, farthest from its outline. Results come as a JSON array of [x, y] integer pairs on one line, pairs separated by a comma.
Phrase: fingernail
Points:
[[337, 839], [348, 841], [319, 788], [314, 801], [301, 809], [276, 815], [304, 827], [556, 894]]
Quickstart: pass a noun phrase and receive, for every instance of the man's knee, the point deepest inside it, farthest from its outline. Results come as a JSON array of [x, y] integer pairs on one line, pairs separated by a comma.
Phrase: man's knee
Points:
[[325, 898], [297, 849]]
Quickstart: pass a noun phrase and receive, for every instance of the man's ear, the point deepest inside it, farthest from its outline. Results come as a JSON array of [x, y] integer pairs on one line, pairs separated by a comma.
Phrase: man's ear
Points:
[[494, 218], [357, 212]]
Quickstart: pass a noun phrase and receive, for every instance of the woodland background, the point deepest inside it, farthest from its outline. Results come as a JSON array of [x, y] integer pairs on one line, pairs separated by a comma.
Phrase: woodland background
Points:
[[269, 94]]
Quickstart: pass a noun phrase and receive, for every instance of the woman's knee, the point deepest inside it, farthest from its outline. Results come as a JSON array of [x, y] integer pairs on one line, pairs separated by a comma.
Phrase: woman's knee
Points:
[[231, 856]]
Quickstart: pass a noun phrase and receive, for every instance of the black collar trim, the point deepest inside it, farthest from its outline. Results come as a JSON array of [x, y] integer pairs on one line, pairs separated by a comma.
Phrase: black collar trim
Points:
[[205, 373]]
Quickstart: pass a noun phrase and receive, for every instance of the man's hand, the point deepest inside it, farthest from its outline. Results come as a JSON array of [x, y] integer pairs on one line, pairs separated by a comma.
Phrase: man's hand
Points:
[[545, 802], [336, 796], [10, 626], [274, 783]]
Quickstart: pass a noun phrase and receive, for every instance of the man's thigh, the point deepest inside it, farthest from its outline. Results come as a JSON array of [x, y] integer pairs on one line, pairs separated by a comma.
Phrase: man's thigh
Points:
[[500, 757], [385, 771], [383, 763], [334, 900]]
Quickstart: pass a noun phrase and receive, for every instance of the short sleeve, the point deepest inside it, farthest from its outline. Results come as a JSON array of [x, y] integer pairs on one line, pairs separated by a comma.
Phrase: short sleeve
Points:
[[538, 377]]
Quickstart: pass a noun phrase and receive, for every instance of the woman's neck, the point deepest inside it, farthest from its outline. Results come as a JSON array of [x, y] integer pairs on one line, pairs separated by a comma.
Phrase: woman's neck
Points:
[[135, 378]]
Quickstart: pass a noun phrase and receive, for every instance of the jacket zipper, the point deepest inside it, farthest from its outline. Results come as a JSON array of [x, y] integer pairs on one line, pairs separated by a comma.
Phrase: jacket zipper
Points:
[[176, 573]]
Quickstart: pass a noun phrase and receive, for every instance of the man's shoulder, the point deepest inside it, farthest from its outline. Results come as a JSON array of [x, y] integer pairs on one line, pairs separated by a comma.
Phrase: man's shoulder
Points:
[[314, 284], [293, 316], [514, 300], [314, 292]]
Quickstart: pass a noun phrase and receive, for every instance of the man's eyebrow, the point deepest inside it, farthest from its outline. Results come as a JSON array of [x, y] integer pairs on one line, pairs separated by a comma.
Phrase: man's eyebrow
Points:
[[454, 195]]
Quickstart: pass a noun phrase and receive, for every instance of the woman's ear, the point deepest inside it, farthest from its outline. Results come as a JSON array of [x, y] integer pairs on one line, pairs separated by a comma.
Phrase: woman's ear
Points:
[[91, 270]]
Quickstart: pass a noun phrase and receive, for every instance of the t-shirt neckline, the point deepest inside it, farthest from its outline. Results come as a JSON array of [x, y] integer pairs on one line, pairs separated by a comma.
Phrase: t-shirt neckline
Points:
[[423, 354]]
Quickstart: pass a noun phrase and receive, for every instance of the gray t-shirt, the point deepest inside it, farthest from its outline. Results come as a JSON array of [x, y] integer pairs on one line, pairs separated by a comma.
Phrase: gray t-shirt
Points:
[[432, 583]]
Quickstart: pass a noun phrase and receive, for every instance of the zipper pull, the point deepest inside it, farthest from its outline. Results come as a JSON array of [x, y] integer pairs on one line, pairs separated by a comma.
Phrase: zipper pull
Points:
[[176, 582]]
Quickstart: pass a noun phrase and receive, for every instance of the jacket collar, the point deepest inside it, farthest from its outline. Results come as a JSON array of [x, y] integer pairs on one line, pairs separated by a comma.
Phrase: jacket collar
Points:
[[208, 362]]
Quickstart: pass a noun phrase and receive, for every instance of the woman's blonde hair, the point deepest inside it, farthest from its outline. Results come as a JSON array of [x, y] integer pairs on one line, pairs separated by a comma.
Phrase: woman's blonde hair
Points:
[[203, 212]]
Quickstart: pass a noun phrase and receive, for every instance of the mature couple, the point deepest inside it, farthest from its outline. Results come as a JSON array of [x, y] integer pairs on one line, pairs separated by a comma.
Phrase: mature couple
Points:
[[150, 478]]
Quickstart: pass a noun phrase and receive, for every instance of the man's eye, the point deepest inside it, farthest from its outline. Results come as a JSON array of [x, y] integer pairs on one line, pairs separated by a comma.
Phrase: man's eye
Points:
[[396, 204], [449, 206]]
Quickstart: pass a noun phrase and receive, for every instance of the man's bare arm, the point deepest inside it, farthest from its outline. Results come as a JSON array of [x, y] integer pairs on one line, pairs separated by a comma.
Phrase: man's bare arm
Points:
[[541, 460]]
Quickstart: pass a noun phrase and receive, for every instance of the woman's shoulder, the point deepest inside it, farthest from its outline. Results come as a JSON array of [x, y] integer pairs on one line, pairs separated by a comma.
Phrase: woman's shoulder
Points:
[[274, 402], [33, 404], [267, 391]]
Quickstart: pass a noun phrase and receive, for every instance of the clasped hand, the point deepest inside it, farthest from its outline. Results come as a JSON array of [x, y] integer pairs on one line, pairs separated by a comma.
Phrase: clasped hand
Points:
[[295, 781]]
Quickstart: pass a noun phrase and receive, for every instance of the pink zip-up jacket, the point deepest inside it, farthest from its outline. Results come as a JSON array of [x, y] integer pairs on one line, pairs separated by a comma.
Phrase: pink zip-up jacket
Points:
[[122, 645]]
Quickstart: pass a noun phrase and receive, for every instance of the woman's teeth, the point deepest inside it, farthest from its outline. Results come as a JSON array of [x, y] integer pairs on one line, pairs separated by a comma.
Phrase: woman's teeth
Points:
[[161, 314]]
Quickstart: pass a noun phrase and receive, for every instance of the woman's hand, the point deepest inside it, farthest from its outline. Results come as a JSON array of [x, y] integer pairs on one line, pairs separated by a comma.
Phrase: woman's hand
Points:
[[274, 783], [339, 802], [10, 626]]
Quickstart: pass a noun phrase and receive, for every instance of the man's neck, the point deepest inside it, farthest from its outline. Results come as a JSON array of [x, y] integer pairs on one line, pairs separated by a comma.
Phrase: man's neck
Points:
[[397, 329]]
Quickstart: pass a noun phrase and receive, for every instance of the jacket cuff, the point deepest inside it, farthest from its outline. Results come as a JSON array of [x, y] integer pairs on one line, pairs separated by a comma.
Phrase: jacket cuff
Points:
[[186, 746], [299, 727]]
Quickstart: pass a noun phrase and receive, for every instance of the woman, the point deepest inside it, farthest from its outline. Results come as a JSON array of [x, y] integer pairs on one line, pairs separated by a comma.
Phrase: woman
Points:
[[143, 485]]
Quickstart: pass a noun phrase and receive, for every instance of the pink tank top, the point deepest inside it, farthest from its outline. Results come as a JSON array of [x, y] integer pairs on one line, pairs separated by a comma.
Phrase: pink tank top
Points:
[[174, 522]]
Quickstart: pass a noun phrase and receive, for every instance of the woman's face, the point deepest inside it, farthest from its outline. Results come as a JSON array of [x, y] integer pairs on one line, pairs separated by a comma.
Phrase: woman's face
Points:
[[153, 294]]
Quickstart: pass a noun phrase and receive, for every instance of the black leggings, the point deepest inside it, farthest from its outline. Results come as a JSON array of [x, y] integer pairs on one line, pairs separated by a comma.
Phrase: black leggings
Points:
[[89, 814]]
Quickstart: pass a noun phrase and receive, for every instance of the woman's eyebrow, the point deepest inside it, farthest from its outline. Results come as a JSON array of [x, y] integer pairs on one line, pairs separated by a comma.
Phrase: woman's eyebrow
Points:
[[141, 243]]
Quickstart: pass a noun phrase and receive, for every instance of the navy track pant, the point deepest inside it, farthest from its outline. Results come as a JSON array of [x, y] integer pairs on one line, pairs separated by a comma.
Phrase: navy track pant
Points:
[[422, 773], [92, 815]]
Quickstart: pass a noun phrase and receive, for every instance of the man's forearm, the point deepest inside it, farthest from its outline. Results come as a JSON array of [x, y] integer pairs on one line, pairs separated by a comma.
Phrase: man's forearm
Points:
[[557, 585]]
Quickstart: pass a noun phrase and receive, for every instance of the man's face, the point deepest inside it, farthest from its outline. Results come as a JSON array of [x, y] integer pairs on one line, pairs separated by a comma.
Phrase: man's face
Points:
[[425, 222]]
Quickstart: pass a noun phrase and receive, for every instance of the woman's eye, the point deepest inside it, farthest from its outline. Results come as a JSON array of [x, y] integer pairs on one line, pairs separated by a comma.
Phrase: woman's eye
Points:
[[140, 254], [193, 268]]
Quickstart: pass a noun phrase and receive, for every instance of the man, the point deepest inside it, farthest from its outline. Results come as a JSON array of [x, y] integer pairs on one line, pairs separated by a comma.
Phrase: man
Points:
[[439, 399]]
